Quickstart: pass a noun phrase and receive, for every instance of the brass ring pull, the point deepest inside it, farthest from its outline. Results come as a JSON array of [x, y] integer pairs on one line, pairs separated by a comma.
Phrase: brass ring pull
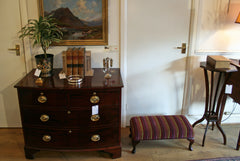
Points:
[[46, 138], [44, 118], [70, 131], [94, 99], [69, 112], [42, 98], [95, 117], [95, 138]]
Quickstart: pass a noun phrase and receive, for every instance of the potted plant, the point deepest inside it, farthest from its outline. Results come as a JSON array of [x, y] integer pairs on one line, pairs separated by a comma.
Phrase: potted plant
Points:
[[43, 32]]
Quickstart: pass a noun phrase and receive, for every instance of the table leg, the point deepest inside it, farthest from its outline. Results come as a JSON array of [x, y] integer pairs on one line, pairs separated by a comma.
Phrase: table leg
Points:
[[198, 121], [238, 143], [223, 134], [204, 136]]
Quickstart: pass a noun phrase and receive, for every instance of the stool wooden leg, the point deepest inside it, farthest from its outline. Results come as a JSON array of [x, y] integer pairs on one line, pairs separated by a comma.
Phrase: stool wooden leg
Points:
[[190, 144], [134, 144], [130, 135], [238, 143]]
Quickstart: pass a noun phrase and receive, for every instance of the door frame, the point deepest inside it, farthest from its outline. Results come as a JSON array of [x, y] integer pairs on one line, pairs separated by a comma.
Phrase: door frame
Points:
[[190, 52], [26, 45], [123, 56]]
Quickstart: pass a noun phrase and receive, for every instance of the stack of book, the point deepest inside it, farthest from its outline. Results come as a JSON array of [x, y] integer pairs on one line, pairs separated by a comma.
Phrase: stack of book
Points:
[[218, 61], [74, 61], [77, 61]]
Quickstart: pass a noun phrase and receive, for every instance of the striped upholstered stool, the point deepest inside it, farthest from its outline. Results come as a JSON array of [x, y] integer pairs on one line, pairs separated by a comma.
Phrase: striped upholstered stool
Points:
[[160, 127]]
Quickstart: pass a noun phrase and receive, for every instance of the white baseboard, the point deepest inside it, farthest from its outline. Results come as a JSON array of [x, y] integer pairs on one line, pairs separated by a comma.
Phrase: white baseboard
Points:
[[233, 119]]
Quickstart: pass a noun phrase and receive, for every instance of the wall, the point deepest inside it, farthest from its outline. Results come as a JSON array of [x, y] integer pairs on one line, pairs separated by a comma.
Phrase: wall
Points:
[[98, 52], [214, 33], [202, 33], [155, 67]]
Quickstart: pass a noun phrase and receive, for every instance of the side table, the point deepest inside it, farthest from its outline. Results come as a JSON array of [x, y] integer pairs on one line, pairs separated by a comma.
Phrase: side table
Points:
[[215, 96]]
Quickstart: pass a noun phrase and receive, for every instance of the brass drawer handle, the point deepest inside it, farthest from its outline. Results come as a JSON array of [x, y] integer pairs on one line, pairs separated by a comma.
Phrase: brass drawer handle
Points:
[[94, 99], [46, 138], [44, 118], [42, 98], [69, 112], [95, 138], [95, 117]]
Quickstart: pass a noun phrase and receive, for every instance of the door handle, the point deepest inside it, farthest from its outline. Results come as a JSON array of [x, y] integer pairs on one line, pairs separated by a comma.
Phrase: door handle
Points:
[[183, 48], [17, 49]]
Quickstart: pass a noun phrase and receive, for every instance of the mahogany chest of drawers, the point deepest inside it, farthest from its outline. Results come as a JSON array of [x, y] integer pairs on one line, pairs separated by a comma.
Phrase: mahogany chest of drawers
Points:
[[63, 117]]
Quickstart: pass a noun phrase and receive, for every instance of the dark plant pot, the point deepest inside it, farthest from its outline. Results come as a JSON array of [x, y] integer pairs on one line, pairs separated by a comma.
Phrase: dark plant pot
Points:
[[45, 64]]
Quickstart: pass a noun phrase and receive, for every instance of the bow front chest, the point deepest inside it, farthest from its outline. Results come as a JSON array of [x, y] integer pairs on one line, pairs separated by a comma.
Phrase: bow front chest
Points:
[[62, 117]]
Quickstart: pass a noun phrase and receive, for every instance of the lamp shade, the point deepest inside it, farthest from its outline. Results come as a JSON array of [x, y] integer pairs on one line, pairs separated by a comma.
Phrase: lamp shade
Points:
[[238, 18]]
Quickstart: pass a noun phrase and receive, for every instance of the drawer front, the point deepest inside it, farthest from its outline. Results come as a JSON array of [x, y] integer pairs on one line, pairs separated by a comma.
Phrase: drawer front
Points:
[[71, 138], [42, 97], [83, 116], [60, 117], [44, 117], [88, 98]]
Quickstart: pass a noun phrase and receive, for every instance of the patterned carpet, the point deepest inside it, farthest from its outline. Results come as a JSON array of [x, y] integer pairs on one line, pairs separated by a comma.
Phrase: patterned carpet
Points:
[[221, 159]]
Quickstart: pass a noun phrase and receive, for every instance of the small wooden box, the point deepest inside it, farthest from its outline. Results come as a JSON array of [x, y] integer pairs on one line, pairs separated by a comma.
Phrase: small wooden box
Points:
[[218, 61]]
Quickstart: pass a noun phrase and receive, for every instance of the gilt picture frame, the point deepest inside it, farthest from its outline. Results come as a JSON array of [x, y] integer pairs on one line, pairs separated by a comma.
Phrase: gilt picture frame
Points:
[[83, 22]]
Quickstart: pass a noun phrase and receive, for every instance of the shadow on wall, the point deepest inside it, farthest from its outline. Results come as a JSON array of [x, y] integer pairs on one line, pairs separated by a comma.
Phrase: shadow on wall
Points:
[[178, 70], [195, 87], [197, 82], [11, 108], [159, 90], [162, 92]]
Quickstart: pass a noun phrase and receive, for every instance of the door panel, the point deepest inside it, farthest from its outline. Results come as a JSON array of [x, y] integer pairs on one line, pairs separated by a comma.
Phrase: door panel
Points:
[[12, 67], [155, 67]]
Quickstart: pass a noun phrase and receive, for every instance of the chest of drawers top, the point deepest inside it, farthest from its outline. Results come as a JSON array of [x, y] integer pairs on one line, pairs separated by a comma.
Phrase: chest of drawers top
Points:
[[89, 82]]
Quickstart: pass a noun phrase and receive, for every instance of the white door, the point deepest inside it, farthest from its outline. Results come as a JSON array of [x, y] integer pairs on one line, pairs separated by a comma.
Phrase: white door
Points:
[[12, 67], [155, 67]]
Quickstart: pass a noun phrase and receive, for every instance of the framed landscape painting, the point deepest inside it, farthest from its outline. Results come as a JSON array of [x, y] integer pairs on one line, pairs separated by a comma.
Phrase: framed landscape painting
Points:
[[83, 22]]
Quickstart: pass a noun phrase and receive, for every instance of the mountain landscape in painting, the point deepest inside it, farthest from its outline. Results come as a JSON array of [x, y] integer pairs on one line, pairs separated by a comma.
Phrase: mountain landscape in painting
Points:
[[75, 28]]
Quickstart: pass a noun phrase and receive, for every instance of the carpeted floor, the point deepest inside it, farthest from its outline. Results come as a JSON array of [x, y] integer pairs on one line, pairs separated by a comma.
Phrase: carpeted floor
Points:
[[221, 159], [12, 144]]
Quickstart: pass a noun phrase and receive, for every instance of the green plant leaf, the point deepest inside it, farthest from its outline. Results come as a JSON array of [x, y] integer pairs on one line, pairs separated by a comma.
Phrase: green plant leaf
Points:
[[43, 31]]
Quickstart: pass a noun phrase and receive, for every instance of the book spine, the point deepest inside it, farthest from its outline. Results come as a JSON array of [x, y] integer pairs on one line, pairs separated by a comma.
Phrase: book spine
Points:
[[69, 61], [88, 68], [75, 61], [87, 61], [81, 60], [211, 61], [64, 61]]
